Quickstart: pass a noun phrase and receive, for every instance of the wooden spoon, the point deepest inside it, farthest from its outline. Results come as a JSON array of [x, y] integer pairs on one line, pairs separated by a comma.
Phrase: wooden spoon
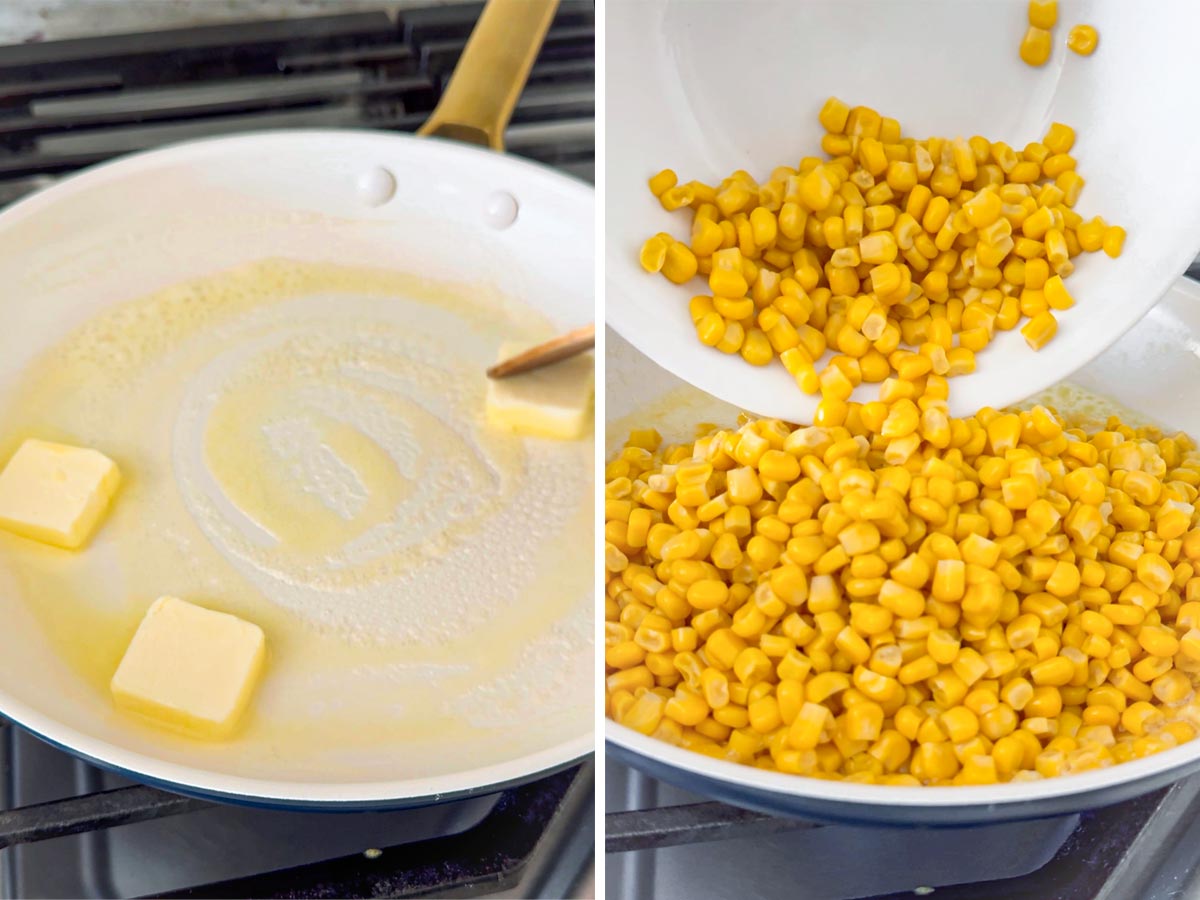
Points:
[[554, 350]]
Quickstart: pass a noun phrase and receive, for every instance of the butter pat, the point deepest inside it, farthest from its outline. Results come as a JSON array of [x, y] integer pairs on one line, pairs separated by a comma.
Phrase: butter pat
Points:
[[554, 401], [190, 669], [55, 493]]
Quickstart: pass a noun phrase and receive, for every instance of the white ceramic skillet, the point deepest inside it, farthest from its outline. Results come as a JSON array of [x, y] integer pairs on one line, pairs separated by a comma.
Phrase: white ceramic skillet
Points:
[[482, 224], [707, 88], [1150, 372]]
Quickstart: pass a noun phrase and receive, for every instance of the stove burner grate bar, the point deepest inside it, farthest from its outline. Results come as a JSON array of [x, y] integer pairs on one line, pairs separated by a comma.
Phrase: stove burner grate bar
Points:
[[104, 809]]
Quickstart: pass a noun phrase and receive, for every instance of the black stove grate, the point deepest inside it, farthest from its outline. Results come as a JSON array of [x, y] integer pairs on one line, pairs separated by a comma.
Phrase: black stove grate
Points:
[[73, 103], [90, 812]]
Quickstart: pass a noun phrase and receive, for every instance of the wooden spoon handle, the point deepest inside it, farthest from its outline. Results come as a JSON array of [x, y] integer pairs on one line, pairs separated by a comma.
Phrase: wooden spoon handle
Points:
[[559, 348]]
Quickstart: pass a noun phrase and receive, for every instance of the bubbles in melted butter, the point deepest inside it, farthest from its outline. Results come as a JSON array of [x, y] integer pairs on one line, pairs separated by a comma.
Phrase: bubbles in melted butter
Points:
[[310, 481], [341, 456]]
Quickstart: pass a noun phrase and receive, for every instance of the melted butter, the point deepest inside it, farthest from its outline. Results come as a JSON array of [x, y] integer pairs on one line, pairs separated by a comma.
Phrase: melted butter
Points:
[[1082, 408], [425, 414], [680, 414], [91, 637], [304, 446], [273, 463]]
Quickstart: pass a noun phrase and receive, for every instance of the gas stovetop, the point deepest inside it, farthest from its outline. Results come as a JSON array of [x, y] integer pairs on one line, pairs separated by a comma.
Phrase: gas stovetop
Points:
[[665, 843], [68, 104], [68, 829]]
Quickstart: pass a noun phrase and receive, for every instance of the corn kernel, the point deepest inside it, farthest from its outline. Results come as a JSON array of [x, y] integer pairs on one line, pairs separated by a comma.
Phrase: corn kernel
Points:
[[1082, 39], [1040, 330], [662, 181], [1035, 46], [1043, 13], [1114, 241]]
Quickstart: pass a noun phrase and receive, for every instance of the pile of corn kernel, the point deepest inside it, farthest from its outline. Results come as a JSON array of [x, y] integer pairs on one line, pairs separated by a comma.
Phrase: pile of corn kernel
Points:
[[902, 598], [899, 256]]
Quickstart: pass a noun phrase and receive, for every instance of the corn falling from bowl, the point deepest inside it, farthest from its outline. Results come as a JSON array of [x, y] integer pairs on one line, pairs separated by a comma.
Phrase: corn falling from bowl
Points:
[[901, 257], [894, 595]]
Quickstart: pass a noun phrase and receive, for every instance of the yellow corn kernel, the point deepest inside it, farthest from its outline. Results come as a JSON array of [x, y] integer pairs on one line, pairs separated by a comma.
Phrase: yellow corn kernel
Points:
[[949, 580], [877, 248], [1172, 687], [777, 465], [900, 600], [727, 278], [1060, 138], [654, 254], [1139, 716], [808, 727], [680, 263], [1082, 39], [1035, 46], [1008, 755], [707, 237], [1071, 184], [756, 347], [863, 722], [1056, 248], [817, 189], [677, 197], [1056, 294], [645, 713], [1153, 571], [918, 670], [1181, 732], [1054, 672], [1157, 640], [1091, 234], [1043, 13], [885, 278], [752, 666], [707, 593], [859, 538], [959, 724], [1114, 240], [833, 115], [1040, 330], [662, 181], [687, 707], [820, 688], [935, 761]]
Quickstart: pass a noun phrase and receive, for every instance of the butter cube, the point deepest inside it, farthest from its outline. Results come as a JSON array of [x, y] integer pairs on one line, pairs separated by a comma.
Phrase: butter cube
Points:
[[554, 401], [190, 669], [55, 493]]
